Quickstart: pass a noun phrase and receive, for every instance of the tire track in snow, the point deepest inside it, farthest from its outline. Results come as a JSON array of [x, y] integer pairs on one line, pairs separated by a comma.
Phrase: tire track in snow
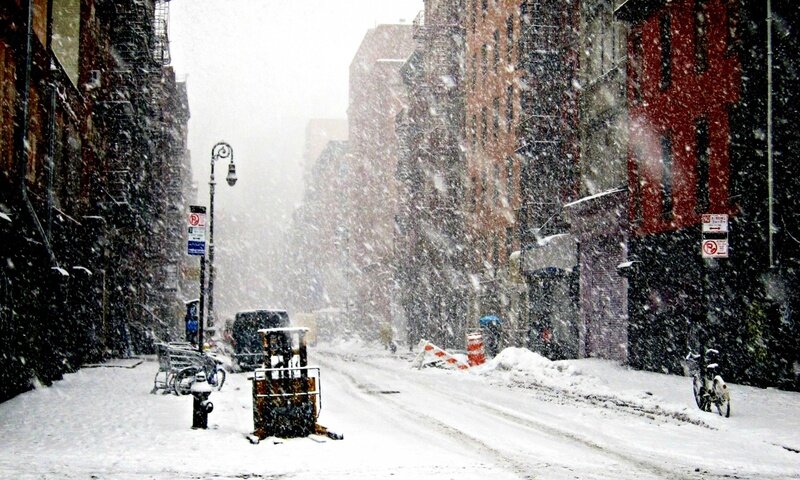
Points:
[[500, 459], [522, 420], [521, 466], [614, 404]]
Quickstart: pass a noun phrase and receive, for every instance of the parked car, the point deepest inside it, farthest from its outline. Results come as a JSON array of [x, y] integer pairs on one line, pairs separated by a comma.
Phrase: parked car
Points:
[[247, 350]]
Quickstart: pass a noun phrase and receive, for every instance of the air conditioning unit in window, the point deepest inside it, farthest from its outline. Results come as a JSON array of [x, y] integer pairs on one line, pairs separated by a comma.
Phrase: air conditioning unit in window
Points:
[[94, 80]]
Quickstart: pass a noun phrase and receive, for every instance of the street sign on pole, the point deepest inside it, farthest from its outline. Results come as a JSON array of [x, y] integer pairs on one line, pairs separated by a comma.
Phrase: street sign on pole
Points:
[[197, 231], [715, 248], [715, 223], [714, 243]]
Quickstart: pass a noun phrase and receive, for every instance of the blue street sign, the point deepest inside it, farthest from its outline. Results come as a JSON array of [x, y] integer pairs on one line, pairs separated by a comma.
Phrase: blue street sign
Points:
[[197, 248]]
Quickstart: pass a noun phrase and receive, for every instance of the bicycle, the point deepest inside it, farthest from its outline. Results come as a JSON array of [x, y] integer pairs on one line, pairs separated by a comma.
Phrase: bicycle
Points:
[[707, 385], [185, 378]]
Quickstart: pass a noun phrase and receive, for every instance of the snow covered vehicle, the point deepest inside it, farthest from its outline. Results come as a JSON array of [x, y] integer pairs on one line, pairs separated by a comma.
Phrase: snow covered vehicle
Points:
[[247, 350]]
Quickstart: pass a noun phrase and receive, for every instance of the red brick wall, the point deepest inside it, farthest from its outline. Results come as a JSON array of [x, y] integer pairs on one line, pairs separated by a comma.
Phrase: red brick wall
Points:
[[672, 109]]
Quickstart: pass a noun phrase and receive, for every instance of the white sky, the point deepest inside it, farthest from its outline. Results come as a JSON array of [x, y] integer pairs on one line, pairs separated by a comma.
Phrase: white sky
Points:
[[256, 72]]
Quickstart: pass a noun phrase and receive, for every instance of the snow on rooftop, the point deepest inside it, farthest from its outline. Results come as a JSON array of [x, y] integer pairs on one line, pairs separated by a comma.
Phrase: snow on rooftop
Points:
[[628, 264], [259, 310], [283, 329]]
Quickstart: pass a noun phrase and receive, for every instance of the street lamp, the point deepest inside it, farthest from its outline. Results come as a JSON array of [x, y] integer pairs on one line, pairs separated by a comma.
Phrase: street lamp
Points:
[[220, 151]]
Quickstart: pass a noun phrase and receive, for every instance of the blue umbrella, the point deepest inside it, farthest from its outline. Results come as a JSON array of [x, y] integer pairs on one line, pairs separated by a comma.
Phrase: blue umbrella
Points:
[[487, 319]]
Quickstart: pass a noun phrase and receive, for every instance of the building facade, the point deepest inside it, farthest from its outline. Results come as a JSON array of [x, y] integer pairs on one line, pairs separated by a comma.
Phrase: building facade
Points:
[[598, 218], [710, 88], [430, 239], [548, 150], [376, 97], [493, 87], [87, 255]]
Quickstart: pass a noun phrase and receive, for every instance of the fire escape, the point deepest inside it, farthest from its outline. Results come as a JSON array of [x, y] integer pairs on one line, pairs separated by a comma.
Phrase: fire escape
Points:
[[161, 27], [441, 41], [546, 166], [440, 83]]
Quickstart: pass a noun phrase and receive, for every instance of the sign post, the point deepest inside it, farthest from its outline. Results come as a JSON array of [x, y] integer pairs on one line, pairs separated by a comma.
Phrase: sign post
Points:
[[714, 243], [197, 231], [197, 247]]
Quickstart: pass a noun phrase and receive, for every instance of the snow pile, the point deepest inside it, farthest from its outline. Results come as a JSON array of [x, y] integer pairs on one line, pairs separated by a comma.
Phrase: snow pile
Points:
[[522, 366]]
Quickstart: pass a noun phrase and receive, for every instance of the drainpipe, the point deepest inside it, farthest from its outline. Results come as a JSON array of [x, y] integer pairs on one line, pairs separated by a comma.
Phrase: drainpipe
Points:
[[23, 116], [770, 183], [51, 126]]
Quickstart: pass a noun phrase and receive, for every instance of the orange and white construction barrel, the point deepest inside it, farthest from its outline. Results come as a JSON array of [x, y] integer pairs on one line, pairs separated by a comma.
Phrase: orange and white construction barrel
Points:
[[475, 353]]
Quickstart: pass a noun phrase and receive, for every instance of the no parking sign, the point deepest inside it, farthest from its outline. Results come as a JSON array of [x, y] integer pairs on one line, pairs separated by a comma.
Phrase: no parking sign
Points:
[[715, 236], [197, 231]]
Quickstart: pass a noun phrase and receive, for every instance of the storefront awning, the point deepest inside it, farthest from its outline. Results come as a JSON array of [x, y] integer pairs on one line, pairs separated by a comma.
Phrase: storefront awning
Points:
[[553, 252]]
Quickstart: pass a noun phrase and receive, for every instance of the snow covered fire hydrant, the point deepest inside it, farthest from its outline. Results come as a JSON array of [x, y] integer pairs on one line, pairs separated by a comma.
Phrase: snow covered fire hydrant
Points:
[[201, 390]]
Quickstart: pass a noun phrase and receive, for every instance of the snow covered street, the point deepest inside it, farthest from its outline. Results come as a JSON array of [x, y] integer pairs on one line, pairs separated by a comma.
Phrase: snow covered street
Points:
[[519, 416]]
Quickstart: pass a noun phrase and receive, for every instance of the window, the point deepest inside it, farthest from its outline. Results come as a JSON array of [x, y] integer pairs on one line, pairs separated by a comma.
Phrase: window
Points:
[[496, 38], [636, 188], [732, 35], [636, 65], [703, 161], [700, 36], [484, 67], [666, 176], [666, 51], [496, 189], [495, 116], [483, 189], [471, 13], [509, 107], [66, 25], [510, 190], [477, 195], [474, 69], [509, 241], [474, 131], [510, 39], [484, 126]]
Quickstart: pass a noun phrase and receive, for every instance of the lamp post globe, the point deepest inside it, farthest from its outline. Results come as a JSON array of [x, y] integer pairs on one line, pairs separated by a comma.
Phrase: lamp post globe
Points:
[[231, 178]]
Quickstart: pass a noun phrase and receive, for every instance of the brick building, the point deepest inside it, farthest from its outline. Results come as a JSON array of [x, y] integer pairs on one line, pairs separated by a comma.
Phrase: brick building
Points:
[[711, 89], [522, 147], [430, 240], [376, 97], [493, 90], [87, 107], [598, 218]]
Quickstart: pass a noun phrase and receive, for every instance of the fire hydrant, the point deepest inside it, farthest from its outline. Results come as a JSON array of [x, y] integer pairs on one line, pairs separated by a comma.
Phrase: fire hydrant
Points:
[[201, 390]]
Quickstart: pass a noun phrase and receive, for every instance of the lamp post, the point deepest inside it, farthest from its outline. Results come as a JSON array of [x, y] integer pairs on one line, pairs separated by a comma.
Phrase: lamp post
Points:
[[220, 151]]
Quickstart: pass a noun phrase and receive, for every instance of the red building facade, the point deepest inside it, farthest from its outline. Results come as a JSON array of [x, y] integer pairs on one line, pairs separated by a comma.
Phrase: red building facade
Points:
[[712, 90], [682, 80]]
